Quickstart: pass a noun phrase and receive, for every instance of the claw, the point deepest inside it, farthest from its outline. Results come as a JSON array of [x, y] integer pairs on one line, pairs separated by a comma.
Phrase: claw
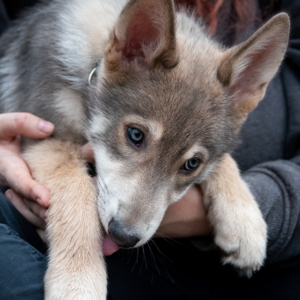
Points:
[[235, 253]]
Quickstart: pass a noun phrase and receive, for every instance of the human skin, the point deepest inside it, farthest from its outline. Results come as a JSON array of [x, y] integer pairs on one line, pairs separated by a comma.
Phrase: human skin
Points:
[[185, 218], [14, 172]]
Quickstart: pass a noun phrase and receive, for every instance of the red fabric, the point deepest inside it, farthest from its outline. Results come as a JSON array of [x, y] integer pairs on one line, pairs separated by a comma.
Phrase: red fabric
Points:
[[241, 13]]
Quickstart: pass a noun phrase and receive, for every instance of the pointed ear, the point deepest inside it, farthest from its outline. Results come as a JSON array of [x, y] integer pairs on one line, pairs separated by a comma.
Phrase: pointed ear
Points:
[[144, 37], [247, 69]]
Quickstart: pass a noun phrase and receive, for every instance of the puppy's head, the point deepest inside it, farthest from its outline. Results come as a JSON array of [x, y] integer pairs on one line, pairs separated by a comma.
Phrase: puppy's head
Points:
[[167, 104]]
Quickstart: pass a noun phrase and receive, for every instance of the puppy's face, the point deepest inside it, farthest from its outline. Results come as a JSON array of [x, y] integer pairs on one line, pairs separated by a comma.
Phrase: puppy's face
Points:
[[165, 107], [153, 137]]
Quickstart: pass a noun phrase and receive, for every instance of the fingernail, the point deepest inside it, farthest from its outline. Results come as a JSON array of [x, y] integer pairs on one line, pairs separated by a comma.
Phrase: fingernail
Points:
[[45, 127], [39, 201], [41, 195], [46, 220], [8, 195]]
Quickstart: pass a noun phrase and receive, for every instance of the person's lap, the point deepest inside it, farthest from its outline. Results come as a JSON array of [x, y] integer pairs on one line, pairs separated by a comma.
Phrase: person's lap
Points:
[[22, 262], [175, 271]]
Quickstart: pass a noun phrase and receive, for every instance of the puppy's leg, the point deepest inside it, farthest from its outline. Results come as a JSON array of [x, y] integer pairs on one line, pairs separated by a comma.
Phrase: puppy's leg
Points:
[[76, 267], [240, 230]]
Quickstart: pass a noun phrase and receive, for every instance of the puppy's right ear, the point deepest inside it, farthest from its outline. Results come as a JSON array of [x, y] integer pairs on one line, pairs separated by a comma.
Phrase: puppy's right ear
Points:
[[143, 39]]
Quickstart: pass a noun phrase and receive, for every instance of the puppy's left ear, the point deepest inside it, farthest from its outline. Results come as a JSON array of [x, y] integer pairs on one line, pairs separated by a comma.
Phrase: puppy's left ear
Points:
[[143, 39], [247, 69]]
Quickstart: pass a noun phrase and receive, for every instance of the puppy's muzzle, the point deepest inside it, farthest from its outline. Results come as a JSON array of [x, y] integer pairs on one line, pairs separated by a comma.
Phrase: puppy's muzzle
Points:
[[120, 237]]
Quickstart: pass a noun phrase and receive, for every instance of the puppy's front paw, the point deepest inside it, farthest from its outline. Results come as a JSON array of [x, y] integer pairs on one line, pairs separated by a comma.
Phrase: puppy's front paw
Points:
[[240, 230], [241, 233]]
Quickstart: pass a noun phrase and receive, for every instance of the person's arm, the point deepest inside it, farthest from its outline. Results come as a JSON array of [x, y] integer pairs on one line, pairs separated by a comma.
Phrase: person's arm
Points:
[[276, 188], [276, 184]]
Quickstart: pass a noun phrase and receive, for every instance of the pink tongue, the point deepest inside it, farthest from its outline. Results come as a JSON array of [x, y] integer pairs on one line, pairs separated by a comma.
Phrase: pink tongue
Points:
[[109, 247]]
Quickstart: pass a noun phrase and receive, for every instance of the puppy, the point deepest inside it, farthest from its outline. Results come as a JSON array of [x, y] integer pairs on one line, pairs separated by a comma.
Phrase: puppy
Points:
[[162, 105]]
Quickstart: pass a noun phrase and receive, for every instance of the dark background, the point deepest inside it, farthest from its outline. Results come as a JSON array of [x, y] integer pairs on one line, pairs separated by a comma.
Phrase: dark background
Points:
[[11, 9]]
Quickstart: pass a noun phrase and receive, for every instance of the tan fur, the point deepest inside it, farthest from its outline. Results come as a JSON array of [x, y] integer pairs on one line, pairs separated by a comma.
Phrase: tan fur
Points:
[[239, 228], [76, 267]]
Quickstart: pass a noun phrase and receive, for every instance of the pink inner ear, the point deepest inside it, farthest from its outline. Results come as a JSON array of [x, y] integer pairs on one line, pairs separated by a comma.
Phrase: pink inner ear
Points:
[[141, 34], [250, 79]]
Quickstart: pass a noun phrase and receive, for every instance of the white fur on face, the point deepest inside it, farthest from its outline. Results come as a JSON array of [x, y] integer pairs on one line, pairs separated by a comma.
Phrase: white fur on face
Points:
[[116, 190], [97, 125], [108, 170], [154, 224]]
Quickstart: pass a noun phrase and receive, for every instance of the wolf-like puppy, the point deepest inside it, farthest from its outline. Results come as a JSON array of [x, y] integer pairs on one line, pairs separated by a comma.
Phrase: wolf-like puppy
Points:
[[162, 105]]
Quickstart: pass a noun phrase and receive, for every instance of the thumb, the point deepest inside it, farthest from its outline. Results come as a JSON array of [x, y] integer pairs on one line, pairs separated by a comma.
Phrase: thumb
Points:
[[13, 124]]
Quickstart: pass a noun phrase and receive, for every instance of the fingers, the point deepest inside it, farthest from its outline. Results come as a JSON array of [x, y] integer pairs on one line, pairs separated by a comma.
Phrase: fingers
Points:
[[87, 152], [13, 169], [18, 178], [13, 124], [30, 216], [37, 209]]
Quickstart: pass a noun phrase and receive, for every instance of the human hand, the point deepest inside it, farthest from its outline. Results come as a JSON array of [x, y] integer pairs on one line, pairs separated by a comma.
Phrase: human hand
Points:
[[28, 196], [186, 217]]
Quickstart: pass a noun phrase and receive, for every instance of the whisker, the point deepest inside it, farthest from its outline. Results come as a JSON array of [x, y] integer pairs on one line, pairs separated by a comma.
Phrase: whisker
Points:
[[153, 258], [163, 255], [130, 256], [160, 250], [145, 257], [169, 239], [136, 261]]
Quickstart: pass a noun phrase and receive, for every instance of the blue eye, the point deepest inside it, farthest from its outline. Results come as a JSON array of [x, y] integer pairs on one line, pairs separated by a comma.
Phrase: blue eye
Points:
[[191, 164], [135, 136]]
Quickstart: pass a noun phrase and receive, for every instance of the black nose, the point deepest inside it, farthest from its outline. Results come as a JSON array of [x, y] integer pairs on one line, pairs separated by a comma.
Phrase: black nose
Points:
[[118, 235]]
